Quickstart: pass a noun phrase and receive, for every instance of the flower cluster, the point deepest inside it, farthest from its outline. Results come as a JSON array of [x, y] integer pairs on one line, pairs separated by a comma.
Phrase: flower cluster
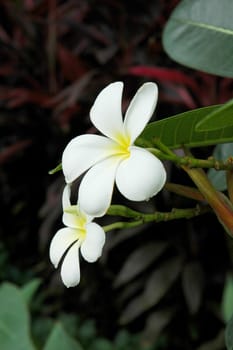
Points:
[[106, 160]]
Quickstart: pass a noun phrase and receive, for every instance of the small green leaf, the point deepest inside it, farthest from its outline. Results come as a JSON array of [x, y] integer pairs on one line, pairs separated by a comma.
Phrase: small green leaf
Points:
[[199, 34], [218, 119], [179, 130], [227, 299], [59, 339]]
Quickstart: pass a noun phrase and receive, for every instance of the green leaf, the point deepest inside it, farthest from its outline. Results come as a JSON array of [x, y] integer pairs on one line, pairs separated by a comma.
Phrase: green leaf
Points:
[[229, 335], [227, 299], [14, 319], [199, 34], [218, 119], [179, 130], [59, 339]]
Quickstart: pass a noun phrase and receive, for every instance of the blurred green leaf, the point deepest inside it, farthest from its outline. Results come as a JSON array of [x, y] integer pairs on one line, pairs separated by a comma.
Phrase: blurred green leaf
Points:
[[156, 287], [192, 282], [179, 130], [229, 335], [227, 299], [122, 340], [41, 328], [218, 119], [218, 177], [155, 324], [87, 331], [138, 261], [101, 344], [214, 344], [59, 339], [14, 320], [199, 35], [29, 289]]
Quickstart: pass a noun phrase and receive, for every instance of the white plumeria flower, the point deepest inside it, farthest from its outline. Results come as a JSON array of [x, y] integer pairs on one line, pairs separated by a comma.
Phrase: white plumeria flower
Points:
[[138, 174], [81, 233]]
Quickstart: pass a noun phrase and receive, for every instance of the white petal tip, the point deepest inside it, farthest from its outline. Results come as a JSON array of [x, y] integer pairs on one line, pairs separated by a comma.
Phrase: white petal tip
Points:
[[70, 285]]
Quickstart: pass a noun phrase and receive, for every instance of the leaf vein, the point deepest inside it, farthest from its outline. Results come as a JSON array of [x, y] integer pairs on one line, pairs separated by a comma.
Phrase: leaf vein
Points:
[[204, 25]]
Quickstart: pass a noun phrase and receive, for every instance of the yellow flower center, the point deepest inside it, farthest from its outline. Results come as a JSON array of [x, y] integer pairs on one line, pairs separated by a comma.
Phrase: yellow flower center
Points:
[[79, 220], [122, 145]]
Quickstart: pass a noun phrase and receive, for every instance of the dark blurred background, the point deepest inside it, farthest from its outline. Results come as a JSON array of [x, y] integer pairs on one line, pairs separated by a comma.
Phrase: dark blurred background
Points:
[[162, 281]]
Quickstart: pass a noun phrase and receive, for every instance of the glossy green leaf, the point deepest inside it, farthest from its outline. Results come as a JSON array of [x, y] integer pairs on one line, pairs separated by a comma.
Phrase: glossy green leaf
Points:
[[220, 118], [59, 339], [179, 130], [199, 34], [14, 320]]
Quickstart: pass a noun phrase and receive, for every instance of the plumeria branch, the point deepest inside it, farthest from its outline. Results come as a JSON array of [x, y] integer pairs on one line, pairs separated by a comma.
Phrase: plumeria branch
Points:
[[141, 218], [164, 153]]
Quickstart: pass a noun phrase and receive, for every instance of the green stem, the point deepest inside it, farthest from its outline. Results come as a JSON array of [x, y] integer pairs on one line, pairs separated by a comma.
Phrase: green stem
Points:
[[121, 224], [55, 170], [141, 218], [192, 162]]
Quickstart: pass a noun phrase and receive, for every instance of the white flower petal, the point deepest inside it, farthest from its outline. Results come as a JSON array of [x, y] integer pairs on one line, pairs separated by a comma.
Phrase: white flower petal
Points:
[[91, 248], [66, 197], [140, 176], [70, 269], [96, 187], [68, 219], [140, 110], [82, 152], [106, 112], [60, 242]]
